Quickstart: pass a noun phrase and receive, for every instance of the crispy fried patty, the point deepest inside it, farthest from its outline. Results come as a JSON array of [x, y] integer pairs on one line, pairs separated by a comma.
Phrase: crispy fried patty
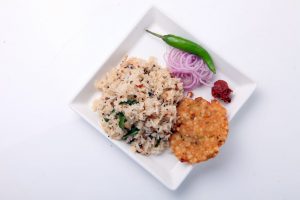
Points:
[[201, 128]]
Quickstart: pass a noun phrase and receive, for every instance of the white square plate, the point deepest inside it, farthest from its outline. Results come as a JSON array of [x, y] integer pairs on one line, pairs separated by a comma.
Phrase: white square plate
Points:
[[166, 168]]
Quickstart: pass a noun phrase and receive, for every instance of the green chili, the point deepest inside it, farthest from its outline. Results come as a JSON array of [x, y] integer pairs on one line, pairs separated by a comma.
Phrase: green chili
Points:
[[188, 46]]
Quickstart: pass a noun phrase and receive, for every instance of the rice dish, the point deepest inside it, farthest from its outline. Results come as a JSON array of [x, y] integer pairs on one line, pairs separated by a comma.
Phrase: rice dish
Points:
[[138, 104]]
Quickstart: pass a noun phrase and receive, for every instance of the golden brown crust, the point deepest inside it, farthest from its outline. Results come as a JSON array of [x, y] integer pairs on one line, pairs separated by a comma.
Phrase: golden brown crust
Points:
[[201, 128]]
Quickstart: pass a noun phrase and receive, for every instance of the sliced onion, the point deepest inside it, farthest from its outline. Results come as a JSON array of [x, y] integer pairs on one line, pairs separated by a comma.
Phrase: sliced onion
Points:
[[190, 68]]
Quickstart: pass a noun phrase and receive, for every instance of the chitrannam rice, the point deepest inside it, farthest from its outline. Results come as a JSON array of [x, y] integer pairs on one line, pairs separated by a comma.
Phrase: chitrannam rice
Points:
[[138, 104]]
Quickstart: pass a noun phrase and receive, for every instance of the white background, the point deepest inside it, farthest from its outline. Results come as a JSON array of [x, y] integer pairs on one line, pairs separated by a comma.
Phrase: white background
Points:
[[48, 50]]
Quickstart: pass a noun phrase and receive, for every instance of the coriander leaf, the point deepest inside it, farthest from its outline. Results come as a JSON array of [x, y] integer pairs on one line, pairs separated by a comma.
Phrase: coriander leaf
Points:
[[129, 102], [122, 119], [132, 132], [157, 142]]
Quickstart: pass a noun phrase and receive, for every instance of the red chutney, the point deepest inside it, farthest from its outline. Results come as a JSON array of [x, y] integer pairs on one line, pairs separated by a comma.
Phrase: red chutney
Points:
[[221, 91]]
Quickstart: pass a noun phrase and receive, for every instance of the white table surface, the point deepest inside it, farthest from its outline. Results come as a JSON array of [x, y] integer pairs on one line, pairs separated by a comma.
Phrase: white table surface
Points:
[[48, 50]]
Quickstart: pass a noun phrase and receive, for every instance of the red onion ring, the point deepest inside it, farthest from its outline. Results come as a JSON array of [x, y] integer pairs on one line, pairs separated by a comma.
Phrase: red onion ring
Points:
[[190, 68]]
